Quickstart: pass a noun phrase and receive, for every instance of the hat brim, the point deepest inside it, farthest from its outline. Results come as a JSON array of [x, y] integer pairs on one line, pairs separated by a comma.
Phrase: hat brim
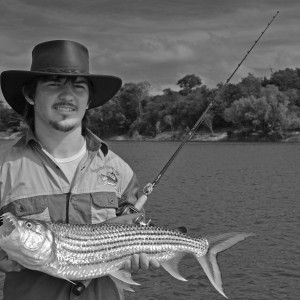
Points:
[[104, 87]]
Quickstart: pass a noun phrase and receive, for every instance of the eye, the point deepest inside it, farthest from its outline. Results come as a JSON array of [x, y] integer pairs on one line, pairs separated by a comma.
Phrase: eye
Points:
[[54, 83], [29, 225], [80, 86]]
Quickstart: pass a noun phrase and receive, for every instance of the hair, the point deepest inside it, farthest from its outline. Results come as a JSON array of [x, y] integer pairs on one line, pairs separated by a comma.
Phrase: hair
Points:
[[30, 89]]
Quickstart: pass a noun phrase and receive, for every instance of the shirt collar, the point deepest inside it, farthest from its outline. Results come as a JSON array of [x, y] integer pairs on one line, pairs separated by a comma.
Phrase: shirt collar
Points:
[[26, 138], [93, 143]]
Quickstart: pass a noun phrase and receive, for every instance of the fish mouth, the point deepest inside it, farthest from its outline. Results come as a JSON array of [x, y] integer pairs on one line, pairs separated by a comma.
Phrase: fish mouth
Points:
[[8, 224]]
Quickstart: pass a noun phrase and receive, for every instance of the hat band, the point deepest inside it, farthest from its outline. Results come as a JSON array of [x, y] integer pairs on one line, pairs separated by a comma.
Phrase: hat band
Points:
[[61, 70]]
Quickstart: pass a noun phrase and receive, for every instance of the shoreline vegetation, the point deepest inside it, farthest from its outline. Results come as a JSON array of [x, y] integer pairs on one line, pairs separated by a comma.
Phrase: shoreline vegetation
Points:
[[223, 136], [252, 110], [237, 136]]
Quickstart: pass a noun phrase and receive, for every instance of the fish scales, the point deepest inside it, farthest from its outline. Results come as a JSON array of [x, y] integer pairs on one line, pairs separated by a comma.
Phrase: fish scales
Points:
[[80, 252], [114, 245], [119, 242], [119, 236]]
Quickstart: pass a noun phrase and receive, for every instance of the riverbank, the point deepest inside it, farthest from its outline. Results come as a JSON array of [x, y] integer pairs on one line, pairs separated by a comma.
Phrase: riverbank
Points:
[[217, 137], [234, 136]]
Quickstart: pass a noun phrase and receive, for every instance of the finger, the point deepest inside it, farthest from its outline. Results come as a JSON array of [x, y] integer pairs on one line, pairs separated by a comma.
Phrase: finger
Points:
[[135, 262], [16, 267], [127, 265], [144, 261], [7, 265], [154, 264]]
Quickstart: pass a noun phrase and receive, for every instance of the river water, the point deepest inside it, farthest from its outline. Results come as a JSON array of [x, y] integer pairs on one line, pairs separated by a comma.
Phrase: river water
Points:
[[214, 188]]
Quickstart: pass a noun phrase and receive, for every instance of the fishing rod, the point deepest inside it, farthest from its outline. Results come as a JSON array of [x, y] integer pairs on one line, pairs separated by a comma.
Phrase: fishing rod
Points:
[[147, 190], [79, 287]]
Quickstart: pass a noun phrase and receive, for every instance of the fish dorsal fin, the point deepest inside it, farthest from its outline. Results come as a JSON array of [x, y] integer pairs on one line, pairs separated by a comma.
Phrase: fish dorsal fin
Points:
[[181, 229], [171, 266], [124, 276]]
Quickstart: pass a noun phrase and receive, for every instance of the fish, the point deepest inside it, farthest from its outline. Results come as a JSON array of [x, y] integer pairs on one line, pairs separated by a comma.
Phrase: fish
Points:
[[80, 252]]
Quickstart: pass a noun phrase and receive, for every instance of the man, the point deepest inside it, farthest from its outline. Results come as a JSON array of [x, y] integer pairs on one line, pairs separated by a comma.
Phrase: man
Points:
[[59, 170]]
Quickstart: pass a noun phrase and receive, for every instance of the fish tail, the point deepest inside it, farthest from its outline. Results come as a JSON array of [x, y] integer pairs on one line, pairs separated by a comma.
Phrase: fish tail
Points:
[[209, 262]]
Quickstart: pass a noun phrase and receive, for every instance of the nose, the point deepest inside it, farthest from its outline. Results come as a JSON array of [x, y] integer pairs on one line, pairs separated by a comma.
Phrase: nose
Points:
[[66, 92]]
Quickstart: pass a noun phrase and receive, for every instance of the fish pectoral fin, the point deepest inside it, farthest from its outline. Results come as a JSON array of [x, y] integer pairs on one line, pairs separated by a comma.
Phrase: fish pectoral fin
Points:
[[171, 266], [68, 280], [124, 276], [121, 285]]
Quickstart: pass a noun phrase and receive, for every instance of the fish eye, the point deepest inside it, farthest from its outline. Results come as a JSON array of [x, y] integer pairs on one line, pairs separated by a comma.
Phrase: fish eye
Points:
[[28, 225]]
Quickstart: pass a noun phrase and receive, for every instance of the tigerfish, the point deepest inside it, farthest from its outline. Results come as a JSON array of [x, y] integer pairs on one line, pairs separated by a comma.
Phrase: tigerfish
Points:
[[82, 252]]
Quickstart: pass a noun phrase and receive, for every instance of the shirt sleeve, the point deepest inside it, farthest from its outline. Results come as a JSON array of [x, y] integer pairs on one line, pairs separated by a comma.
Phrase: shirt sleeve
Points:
[[130, 194]]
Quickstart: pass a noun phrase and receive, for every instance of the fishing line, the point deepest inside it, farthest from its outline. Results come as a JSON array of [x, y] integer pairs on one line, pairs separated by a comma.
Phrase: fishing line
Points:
[[149, 187]]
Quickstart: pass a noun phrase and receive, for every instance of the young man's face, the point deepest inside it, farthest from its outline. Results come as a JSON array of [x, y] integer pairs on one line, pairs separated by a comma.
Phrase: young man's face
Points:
[[61, 103]]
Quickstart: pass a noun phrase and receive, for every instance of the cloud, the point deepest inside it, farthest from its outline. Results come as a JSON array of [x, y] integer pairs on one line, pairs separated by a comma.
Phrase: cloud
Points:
[[159, 41]]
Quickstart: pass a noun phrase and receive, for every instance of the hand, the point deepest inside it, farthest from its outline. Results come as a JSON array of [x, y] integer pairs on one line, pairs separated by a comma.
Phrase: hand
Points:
[[141, 261], [124, 219], [138, 261], [7, 265]]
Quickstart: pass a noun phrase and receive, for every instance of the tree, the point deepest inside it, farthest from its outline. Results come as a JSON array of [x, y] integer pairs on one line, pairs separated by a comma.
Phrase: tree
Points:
[[250, 86], [108, 120], [188, 83], [247, 113], [131, 99], [285, 79], [10, 120], [268, 112], [233, 92]]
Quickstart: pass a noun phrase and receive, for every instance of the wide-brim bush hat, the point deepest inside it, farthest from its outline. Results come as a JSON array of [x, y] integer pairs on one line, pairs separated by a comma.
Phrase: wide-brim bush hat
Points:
[[59, 57]]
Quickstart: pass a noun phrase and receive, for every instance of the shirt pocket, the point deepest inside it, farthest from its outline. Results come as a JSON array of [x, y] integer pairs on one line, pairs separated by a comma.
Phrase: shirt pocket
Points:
[[104, 205], [33, 208]]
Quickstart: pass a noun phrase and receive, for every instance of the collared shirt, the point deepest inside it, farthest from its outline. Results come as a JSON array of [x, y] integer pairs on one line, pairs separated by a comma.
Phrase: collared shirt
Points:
[[32, 185]]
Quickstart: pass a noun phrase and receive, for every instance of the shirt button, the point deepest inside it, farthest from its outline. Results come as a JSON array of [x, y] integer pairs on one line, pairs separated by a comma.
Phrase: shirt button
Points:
[[111, 201]]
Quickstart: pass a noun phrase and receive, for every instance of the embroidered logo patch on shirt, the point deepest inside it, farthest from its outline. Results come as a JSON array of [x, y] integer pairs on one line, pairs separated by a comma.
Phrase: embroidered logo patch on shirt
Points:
[[109, 178]]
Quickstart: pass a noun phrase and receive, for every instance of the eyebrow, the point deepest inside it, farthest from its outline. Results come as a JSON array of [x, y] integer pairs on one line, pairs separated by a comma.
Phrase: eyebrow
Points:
[[66, 78], [82, 80]]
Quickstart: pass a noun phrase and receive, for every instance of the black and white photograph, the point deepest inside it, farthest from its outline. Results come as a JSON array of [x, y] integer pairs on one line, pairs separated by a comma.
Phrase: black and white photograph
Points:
[[149, 150]]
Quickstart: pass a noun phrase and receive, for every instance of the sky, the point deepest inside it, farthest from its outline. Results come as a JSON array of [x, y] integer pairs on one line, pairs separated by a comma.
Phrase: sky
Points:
[[159, 41]]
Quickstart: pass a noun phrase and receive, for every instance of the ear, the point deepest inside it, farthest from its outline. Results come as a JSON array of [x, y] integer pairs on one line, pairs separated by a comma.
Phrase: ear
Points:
[[28, 99]]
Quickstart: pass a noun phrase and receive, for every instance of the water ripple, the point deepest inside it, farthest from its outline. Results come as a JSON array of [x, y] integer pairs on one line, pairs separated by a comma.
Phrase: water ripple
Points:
[[220, 187]]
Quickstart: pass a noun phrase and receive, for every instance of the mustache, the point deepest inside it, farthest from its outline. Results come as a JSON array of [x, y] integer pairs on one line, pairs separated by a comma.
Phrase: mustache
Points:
[[65, 103]]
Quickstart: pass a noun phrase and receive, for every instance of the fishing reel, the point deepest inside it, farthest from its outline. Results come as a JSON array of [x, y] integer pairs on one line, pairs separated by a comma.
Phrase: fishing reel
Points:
[[128, 209]]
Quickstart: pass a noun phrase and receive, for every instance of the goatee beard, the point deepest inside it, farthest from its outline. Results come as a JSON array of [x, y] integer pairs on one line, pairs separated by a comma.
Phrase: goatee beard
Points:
[[62, 128]]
